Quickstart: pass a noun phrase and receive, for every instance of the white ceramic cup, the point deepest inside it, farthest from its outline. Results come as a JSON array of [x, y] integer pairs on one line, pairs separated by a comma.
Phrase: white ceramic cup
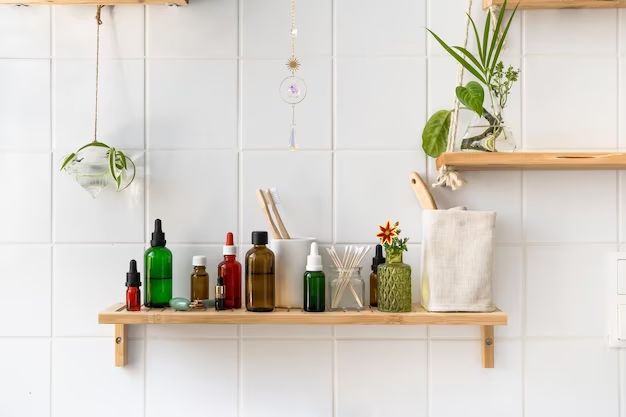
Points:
[[290, 256]]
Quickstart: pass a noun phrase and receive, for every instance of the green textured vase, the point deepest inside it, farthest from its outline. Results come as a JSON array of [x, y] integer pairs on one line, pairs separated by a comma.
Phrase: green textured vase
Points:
[[394, 284]]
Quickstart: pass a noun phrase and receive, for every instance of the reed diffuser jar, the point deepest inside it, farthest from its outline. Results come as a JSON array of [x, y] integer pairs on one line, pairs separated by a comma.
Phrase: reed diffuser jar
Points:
[[394, 284], [347, 289]]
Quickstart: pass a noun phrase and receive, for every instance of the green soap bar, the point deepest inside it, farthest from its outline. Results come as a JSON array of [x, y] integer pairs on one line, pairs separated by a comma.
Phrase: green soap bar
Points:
[[180, 304]]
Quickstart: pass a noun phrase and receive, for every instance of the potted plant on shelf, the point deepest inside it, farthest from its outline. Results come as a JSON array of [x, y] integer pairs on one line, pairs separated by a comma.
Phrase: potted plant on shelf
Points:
[[488, 131]]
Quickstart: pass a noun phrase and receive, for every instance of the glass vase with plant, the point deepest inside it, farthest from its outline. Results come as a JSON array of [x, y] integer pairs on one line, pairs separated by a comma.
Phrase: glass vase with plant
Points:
[[394, 276], [488, 132]]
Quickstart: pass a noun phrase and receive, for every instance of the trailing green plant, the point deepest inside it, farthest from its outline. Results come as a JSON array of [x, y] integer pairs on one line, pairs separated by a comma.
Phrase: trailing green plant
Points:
[[118, 162], [488, 69]]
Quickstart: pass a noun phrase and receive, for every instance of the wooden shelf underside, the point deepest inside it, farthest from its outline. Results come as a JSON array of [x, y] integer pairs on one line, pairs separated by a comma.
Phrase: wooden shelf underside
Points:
[[558, 4], [482, 161], [96, 2], [120, 317]]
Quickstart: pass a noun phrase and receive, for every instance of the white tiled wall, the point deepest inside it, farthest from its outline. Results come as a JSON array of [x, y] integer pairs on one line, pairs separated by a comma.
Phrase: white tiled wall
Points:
[[191, 93]]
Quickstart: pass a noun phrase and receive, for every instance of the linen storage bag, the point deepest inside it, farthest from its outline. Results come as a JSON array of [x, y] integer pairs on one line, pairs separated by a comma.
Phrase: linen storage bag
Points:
[[457, 260]]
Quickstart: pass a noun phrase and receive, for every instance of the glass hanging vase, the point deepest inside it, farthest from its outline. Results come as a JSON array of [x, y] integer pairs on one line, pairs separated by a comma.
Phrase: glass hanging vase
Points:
[[487, 133], [394, 284], [90, 169]]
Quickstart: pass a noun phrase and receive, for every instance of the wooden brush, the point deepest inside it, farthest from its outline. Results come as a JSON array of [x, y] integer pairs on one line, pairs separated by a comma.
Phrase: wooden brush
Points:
[[260, 195], [426, 199]]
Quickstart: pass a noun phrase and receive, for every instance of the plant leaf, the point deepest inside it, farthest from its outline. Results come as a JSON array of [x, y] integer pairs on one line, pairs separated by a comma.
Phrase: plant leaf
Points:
[[472, 96], [459, 58], [67, 160], [97, 144], [435, 133], [471, 57], [486, 38], [112, 163], [496, 33], [478, 43], [501, 43]]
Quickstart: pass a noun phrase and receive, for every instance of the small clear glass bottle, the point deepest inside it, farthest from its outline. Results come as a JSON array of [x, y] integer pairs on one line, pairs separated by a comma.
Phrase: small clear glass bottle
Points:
[[347, 289]]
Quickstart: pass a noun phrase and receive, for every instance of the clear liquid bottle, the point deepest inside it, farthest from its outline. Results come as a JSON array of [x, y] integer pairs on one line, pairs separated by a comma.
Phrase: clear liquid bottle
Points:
[[260, 278]]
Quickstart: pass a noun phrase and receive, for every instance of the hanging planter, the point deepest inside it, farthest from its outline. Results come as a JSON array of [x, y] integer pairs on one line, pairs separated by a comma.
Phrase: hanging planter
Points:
[[96, 165]]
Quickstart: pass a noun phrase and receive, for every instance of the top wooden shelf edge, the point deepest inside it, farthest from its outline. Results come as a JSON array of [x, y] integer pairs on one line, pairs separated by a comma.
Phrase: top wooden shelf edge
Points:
[[481, 161], [97, 2], [558, 4]]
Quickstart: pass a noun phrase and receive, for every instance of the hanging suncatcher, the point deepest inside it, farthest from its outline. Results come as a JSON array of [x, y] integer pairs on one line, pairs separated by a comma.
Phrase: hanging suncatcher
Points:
[[293, 89]]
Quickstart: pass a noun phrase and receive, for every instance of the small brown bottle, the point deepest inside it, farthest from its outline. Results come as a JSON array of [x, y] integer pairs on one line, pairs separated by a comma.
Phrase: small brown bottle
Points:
[[378, 259], [260, 279], [199, 279]]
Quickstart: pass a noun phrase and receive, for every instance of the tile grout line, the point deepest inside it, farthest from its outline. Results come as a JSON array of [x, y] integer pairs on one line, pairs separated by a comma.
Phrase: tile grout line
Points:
[[51, 200], [145, 193], [523, 219], [239, 118], [333, 188]]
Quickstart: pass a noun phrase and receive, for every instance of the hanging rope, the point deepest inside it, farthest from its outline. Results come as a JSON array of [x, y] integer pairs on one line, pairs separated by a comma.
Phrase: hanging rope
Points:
[[449, 177], [98, 24]]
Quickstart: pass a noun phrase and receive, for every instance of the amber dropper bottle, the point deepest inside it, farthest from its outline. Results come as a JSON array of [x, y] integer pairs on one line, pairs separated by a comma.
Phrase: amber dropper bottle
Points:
[[260, 278], [378, 259]]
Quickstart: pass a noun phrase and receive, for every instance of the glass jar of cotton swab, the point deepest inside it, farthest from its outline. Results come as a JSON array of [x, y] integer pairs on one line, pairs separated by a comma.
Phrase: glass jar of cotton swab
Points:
[[347, 288]]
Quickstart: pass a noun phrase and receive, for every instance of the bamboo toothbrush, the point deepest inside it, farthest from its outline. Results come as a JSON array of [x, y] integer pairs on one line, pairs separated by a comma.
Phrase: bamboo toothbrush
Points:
[[273, 200], [260, 195]]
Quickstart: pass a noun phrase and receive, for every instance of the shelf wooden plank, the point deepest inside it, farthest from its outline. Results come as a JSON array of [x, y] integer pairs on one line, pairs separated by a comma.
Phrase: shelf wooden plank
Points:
[[558, 4], [96, 2], [482, 161], [118, 315]]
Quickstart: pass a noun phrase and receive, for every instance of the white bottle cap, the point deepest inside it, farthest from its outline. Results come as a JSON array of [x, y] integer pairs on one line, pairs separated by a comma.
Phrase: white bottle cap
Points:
[[314, 260], [199, 261]]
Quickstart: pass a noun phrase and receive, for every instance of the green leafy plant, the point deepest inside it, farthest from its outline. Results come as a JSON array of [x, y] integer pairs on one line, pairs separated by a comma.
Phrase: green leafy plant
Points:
[[490, 75], [117, 160]]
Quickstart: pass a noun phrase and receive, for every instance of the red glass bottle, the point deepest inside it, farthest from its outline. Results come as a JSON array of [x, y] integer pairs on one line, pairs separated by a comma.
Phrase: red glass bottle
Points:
[[133, 293], [230, 271]]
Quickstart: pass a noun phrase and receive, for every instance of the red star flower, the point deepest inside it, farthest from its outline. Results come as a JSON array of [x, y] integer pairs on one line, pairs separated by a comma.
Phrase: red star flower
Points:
[[387, 232]]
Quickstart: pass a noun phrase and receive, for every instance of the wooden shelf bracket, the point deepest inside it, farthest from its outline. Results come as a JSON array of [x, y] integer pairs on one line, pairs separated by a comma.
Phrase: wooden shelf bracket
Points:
[[120, 346]]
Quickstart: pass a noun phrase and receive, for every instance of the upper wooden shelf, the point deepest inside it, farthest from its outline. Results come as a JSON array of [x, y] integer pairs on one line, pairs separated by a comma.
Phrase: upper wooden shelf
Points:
[[482, 161], [120, 317], [97, 2], [558, 4]]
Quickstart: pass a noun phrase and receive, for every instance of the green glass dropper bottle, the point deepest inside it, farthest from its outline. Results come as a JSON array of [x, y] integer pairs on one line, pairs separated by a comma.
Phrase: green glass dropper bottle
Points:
[[158, 270]]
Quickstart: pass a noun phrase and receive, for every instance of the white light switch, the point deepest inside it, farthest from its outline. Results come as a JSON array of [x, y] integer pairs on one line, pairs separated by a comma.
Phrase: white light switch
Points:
[[621, 276]]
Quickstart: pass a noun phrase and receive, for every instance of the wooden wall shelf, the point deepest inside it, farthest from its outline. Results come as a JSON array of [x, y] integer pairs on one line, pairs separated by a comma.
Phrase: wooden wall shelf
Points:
[[96, 2], [120, 317], [483, 161], [558, 4]]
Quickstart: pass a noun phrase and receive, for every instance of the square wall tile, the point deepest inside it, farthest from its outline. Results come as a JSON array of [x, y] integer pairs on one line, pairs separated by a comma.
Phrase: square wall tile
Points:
[[192, 104], [563, 32], [559, 281], [571, 206], [115, 391], [25, 207], [371, 187], [303, 181], [120, 103], [191, 331], [447, 18], [459, 384], [201, 29], [285, 331], [393, 386], [195, 367], [98, 269], [357, 21], [17, 262], [267, 118], [25, 365], [25, 104], [391, 92], [507, 287], [24, 31], [110, 217], [266, 25], [501, 193], [269, 369], [574, 378], [121, 32], [554, 117], [194, 193], [622, 96]]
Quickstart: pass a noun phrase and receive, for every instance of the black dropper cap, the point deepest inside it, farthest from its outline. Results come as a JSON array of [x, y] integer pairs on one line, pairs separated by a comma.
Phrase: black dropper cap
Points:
[[158, 237], [379, 258], [259, 238], [132, 276]]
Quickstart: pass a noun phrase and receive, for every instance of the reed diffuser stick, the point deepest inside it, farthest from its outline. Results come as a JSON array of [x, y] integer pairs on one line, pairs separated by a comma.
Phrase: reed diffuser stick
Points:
[[351, 259]]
